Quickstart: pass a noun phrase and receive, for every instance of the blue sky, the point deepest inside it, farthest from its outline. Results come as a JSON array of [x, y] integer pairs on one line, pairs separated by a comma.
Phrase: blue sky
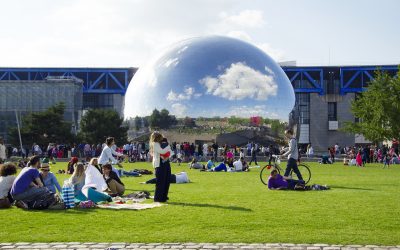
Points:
[[123, 33]]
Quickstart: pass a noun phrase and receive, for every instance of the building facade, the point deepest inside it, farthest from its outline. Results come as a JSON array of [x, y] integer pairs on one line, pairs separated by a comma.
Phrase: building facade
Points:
[[323, 95]]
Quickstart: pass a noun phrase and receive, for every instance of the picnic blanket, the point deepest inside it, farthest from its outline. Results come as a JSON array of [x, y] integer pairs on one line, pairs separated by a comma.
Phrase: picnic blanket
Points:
[[133, 206]]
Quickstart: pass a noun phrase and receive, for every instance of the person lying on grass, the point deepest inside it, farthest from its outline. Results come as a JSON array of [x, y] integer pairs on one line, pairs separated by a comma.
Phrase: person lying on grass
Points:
[[225, 166], [195, 164], [178, 178], [277, 182]]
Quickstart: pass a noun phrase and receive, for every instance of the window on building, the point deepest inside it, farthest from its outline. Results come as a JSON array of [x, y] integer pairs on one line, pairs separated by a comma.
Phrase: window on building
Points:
[[330, 88], [303, 105], [332, 111]]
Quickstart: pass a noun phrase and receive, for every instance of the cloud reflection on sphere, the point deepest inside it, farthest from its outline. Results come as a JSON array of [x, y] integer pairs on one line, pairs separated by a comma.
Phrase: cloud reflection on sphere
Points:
[[211, 76]]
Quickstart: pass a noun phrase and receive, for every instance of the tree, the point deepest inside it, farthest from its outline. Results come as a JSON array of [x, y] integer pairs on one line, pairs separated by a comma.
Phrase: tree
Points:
[[44, 127], [138, 123], [161, 120], [189, 122], [378, 109], [98, 124]]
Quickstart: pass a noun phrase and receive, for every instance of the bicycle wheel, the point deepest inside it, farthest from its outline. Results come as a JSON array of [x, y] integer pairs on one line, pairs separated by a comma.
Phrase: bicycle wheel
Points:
[[305, 173], [266, 172]]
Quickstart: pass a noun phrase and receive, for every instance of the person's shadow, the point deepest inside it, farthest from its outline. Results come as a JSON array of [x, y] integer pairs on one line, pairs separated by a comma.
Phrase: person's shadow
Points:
[[234, 208], [354, 188]]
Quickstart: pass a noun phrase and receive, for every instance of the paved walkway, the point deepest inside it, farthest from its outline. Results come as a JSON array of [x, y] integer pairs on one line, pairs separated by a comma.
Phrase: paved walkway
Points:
[[225, 246]]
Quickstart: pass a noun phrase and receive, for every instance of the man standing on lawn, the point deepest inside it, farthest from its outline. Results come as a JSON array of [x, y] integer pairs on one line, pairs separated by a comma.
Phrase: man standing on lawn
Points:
[[293, 155]]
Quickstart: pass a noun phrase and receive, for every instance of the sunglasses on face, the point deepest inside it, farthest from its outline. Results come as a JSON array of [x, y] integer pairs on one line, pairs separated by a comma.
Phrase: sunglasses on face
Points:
[[45, 170]]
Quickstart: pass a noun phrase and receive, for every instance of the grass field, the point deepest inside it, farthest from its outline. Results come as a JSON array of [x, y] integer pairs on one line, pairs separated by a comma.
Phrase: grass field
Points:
[[363, 207]]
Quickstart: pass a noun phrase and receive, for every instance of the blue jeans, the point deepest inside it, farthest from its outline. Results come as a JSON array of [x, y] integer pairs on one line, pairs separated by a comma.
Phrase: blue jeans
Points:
[[31, 194], [220, 167], [126, 173], [292, 164]]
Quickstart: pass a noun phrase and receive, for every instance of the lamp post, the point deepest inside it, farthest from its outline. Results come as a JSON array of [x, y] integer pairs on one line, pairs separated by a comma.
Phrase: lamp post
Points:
[[19, 131]]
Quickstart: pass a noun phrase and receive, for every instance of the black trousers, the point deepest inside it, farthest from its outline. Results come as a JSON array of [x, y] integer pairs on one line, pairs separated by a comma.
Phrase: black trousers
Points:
[[163, 177]]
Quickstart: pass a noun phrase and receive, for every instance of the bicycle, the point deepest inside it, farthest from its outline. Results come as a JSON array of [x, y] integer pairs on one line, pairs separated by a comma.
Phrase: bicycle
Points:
[[266, 171]]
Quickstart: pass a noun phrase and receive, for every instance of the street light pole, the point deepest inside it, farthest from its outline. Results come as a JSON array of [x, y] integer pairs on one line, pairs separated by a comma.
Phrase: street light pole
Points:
[[19, 132]]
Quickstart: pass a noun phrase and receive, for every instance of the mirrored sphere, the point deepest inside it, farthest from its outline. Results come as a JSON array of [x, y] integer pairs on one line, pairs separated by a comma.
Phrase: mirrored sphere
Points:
[[211, 76]]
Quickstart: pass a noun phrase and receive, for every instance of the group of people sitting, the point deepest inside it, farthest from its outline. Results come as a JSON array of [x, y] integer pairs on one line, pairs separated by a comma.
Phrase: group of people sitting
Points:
[[227, 165], [36, 186]]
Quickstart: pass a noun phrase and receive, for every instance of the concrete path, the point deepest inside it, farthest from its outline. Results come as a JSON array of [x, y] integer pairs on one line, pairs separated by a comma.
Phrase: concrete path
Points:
[[225, 246]]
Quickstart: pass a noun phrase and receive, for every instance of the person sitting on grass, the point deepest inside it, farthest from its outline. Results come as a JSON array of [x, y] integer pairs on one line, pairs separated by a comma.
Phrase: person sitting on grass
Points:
[[95, 188], [78, 180], [277, 182], [240, 165], [48, 178], [7, 177], [178, 178], [210, 163], [195, 164], [114, 183], [71, 163], [29, 191]]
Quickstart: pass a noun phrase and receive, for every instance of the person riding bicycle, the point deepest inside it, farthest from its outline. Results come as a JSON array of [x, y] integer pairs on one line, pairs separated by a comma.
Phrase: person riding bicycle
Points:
[[293, 155]]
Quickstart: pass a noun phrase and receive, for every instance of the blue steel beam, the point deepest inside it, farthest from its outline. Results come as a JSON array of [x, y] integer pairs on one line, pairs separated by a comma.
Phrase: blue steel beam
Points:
[[120, 77], [301, 72], [361, 71], [117, 82]]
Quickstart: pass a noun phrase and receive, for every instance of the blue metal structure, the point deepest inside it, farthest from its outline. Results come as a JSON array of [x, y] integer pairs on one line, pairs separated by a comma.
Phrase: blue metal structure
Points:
[[95, 80], [353, 79], [306, 79]]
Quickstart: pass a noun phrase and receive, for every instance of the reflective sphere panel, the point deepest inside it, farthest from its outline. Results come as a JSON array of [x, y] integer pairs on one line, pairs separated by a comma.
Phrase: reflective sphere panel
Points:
[[211, 76]]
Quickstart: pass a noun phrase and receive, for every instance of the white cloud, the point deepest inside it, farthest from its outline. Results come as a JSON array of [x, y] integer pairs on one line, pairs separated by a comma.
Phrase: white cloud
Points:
[[239, 81], [276, 54], [179, 109], [172, 61], [246, 19], [187, 94], [247, 111], [239, 34]]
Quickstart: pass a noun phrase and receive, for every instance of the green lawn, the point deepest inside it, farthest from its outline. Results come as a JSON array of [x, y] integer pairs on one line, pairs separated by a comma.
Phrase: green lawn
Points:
[[363, 207]]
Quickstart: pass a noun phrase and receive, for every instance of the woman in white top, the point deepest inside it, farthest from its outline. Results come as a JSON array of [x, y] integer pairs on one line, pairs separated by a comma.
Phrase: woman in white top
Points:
[[161, 151], [95, 187]]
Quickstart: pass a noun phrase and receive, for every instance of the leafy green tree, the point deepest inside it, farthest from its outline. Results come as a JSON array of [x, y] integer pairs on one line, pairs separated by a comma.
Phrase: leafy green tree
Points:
[[138, 122], [44, 127], [161, 120], [98, 124], [378, 109], [189, 122]]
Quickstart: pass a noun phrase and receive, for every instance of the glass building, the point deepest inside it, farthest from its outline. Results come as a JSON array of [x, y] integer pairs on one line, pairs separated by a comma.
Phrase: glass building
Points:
[[18, 98]]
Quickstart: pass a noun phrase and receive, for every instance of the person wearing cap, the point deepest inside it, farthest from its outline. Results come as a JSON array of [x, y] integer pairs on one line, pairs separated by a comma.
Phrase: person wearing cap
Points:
[[48, 179], [71, 163]]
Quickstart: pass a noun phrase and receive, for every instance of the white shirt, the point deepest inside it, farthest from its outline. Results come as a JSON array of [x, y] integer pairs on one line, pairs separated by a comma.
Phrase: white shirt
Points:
[[157, 151], [107, 155], [94, 179], [238, 165], [5, 185], [2, 152]]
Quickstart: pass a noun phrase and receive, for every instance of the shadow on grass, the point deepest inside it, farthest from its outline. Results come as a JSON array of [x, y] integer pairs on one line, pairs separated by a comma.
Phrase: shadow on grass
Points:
[[353, 188], [72, 211], [234, 208]]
